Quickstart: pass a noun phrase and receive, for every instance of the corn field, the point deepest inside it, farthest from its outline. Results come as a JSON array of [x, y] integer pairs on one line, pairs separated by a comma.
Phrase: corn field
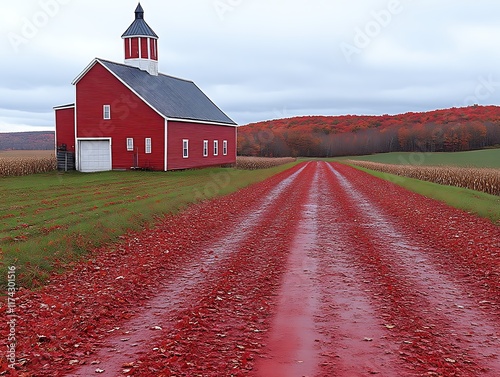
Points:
[[254, 163], [479, 179], [17, 166]]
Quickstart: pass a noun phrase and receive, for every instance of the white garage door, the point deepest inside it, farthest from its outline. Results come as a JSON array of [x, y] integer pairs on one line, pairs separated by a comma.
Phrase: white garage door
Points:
[[95, 155]]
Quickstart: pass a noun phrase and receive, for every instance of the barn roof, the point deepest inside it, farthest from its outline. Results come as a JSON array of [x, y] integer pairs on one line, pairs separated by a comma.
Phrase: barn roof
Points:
[[63, 107], [170, 96], [139, 27]]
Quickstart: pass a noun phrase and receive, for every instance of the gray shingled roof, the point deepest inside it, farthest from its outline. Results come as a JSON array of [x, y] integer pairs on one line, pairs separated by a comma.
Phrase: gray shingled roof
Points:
[[170, 96], [139, 26]]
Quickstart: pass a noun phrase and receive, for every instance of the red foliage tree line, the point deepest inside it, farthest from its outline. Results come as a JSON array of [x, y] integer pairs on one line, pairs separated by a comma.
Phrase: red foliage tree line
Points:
[[451, 130]]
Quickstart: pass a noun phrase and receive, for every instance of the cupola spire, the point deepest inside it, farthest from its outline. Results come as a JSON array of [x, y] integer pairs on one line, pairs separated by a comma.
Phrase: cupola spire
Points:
[[139, 12], [141, 44]]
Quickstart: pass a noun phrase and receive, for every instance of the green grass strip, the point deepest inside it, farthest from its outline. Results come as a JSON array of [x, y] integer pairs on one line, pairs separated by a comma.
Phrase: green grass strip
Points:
[[486, 158]]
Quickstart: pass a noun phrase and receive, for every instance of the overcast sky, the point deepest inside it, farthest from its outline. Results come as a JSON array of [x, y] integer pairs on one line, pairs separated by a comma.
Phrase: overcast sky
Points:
[[261, 59]]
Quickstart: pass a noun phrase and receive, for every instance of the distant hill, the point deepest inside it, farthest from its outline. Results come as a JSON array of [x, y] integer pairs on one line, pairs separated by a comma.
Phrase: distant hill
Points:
[[449, 130], [39, 140]]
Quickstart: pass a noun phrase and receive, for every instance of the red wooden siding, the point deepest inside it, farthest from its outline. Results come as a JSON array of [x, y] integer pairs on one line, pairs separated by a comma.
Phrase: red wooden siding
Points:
[[144, 48], [130, 118], [132, 49], [154, 49], [65, 128], [134, 54], [196, 133], [128, 52]]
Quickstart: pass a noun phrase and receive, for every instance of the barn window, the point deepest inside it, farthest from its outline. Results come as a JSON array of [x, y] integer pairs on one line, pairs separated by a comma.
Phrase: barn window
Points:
[[185, 148], [205, 148], [224, 147], [130, 144], [106, 112], [148, 145], [216, 147]]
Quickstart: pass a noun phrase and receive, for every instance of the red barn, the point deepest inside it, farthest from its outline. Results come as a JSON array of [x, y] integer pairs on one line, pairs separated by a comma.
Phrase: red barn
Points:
[[129, 116]]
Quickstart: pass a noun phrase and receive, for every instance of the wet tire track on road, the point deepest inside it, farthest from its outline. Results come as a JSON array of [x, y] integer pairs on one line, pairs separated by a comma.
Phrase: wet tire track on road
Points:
[[440, 329], [188, 285]]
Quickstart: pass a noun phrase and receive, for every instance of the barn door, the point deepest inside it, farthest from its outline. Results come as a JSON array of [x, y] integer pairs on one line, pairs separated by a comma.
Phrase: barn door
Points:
[[95, 155]]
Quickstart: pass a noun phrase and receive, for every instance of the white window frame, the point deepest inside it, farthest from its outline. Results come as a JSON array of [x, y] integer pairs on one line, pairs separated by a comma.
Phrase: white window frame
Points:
[[205, 148], [147, 147], [106, 112], [216, 147], [130, 144], [185, 148], [224, 147]]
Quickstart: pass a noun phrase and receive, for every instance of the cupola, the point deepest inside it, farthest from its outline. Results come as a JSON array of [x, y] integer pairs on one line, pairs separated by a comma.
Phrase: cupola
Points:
[[141, 44]]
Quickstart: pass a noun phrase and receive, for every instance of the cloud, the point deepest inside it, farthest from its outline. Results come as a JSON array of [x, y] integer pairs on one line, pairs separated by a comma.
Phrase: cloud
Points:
[[258, 59]]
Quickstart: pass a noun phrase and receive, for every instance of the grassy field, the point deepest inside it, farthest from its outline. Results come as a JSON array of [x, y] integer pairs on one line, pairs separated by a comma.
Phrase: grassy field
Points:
[[488, 158], [48, 220]]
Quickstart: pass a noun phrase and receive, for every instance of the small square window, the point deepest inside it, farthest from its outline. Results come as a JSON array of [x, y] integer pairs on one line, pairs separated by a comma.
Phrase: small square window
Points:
[[216, 147], [185, 148], [130, 144], [148, 145], [205, 148], [106, 112]]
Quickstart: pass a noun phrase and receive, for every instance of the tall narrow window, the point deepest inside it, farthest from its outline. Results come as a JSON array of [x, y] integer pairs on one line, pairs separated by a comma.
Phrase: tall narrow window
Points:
[[130, 144], [185, 148], [216, 147], [205, 148], [148, 145], [106, 109], [224, 147]]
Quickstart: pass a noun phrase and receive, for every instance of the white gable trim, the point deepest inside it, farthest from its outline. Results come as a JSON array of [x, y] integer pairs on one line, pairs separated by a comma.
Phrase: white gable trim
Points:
[[85, 71], [201, 122]]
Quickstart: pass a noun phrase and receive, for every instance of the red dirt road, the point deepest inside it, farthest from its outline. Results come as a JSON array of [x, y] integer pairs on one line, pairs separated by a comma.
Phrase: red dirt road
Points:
[[319, 271]]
